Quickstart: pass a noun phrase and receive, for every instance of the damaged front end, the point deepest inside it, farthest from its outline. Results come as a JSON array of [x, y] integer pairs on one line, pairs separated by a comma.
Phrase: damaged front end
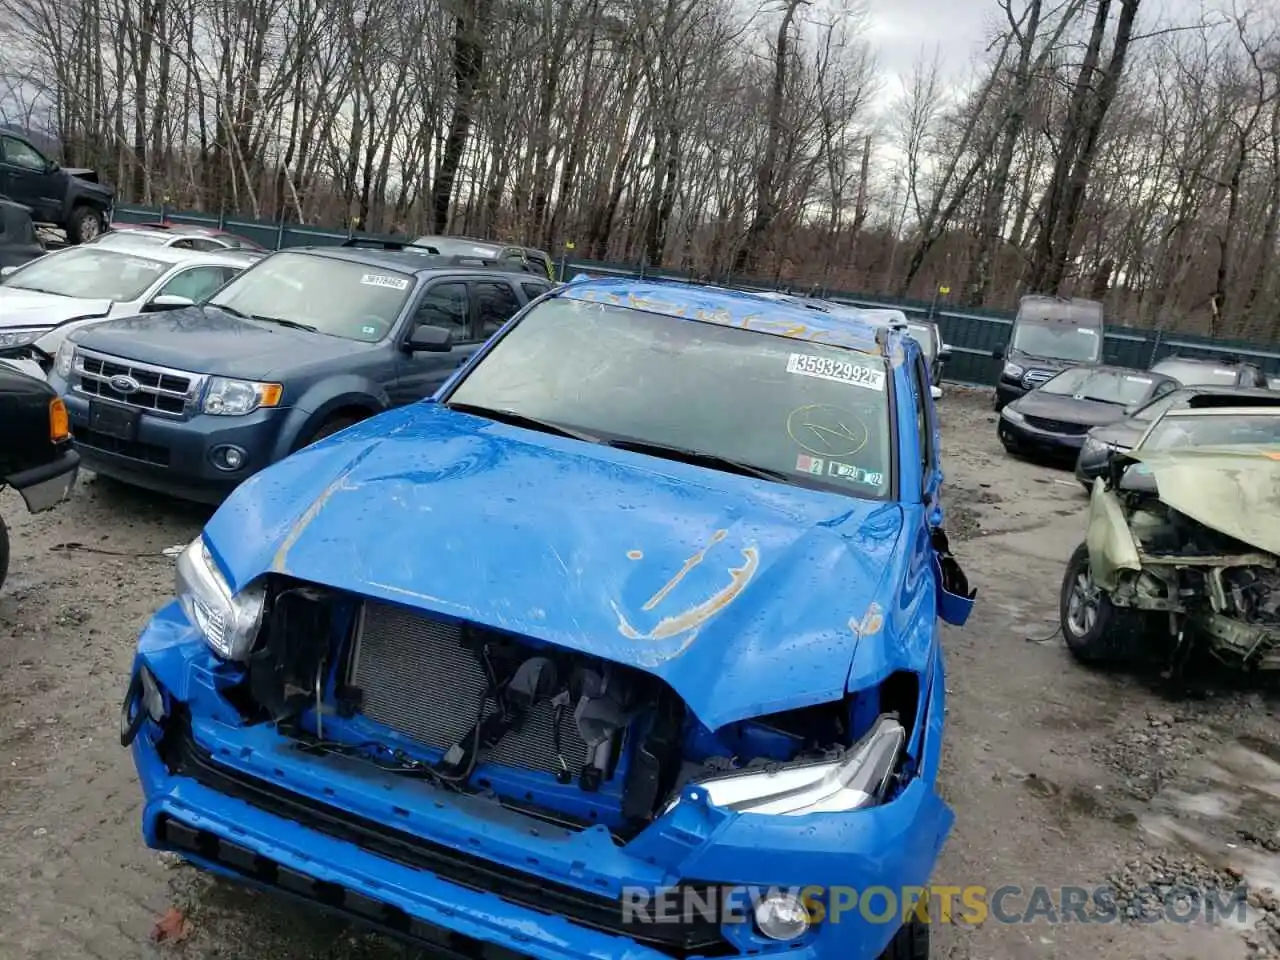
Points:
[[428, 768], [1189, 540]]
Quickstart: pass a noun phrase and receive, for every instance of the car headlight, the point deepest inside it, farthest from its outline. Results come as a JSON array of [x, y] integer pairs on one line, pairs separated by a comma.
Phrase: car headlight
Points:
[[228, 621], [64, 359], [1012, 371], [1012, 415], [858, 779], [20, 336], [234, 398]]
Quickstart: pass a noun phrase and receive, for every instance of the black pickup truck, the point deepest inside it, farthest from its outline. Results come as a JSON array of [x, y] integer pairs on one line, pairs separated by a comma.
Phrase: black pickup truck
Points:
[[36, 458]]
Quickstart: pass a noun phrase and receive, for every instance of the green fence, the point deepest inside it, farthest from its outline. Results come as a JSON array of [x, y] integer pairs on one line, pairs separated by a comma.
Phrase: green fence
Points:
[[972, 334]]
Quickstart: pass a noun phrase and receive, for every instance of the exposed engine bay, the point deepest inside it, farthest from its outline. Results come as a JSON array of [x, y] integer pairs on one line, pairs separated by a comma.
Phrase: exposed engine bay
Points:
[[564, 736], [1193, 581]]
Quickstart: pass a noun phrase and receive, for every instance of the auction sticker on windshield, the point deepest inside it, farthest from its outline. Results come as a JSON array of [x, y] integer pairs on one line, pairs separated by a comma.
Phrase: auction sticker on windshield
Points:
[[378, 280], [841, 371]]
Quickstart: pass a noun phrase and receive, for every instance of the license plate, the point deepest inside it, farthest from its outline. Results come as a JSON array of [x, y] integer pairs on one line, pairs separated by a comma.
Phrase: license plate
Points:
[[112, 420]]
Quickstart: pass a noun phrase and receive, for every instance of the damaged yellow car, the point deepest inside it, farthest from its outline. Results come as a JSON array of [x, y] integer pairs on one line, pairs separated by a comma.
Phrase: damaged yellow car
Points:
[[1183, 546]]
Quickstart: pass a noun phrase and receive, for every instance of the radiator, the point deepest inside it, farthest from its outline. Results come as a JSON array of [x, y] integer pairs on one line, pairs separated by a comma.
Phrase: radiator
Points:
[[417, 679]]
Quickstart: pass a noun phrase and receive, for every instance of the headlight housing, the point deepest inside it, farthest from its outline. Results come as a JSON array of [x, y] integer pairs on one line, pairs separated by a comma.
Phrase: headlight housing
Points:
[[858, 779], [64, 359], [1012, 371], [234, 398], [228, 621], [1012, 415], [20, 336]]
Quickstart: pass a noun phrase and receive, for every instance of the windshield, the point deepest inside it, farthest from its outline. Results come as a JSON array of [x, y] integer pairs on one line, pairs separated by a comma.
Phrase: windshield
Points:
[[922, 333], [91, 273], [1159, 405], [1194, 374], [1104, 386], [457, 247], [337, 297], [1223, 429], [1057, 341], [135, 237], [816, 413]]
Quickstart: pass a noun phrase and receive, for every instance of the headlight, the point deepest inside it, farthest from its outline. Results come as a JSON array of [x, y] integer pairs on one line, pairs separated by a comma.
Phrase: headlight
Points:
[[63, 361], [20, 336], [858, 779], [1012, 415], [229, 622], [235, 398], [1012, 371]]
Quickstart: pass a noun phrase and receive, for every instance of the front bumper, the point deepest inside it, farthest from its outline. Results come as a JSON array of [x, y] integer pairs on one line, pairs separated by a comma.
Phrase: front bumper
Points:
[[173, 456], [44, 487], [1092, 464], [324, 838], [1006, 393], [1022, 436]]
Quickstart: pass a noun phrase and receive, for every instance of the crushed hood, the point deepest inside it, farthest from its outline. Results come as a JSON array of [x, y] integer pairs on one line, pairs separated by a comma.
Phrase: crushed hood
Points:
[[738, 593], [30, 308], [1234, 490]]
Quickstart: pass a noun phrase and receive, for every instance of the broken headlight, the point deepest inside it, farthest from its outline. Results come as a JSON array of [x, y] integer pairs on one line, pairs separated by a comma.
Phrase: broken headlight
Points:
[[858, 779], [229, 621]]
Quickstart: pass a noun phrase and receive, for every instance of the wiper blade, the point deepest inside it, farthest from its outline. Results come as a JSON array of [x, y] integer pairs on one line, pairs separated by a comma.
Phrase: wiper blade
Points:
[[294, 324], [701, 459], [521, 420]]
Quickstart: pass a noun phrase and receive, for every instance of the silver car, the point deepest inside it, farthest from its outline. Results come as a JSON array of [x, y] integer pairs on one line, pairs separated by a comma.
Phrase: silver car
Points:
[[44, 300]]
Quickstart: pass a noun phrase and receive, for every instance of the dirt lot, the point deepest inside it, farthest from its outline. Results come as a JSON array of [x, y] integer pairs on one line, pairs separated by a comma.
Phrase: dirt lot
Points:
[[1058, 776]]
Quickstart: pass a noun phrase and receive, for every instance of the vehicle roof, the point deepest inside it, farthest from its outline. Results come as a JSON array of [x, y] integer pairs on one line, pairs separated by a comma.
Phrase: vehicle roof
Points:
[[1116, 368], [733, 308], [407, 261], [1210, 390], [1222, 411], [175, 255], [1204, 361], [500, 244]]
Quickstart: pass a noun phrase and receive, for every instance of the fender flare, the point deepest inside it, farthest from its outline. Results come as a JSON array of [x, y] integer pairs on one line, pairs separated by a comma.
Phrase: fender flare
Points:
[[321, 400]]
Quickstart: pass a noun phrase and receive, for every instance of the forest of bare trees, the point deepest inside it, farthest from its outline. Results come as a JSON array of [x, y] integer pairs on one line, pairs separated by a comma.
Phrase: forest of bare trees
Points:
[[1103, 148]]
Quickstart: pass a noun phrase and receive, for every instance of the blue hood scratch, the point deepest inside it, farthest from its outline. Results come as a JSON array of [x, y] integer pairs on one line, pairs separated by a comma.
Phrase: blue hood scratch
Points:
[[738, 593]]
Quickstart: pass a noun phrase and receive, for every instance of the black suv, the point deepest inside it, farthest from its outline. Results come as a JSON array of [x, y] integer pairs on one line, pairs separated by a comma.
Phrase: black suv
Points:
[[71, 199], [304, 343], [1199, 372]]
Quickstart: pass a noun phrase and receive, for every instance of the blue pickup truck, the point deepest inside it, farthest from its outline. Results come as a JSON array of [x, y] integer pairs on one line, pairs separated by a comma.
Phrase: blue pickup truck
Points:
[[625, 644], [191, 401]]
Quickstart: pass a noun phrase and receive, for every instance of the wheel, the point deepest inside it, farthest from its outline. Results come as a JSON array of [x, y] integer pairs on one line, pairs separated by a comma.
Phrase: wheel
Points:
[[4, 551], [328, 429], [85, 224], [1095, 631], [911, 942]]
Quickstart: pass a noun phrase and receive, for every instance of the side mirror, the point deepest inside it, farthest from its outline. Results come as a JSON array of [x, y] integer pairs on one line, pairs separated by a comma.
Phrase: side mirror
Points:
[[167, 301], [429, 339], [997, 353], [7, 272], [53, 167], [944, 353]]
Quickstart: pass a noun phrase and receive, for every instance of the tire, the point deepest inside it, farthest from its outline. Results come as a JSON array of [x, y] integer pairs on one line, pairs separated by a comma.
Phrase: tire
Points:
[[328, 429], [84, 224], [911, 942], [4, 551], [1095, 631]]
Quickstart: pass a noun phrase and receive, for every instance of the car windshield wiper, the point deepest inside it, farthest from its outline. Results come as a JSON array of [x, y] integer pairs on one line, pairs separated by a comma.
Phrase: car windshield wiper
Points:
[[521, 420], [294, 324], [701, 459]]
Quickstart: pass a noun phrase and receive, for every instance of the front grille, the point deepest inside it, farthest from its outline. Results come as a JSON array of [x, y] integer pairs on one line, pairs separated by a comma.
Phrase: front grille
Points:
[[133, 449], [694, 936], [1058, 426], [159, 388], [1033, 378], [416, 677]]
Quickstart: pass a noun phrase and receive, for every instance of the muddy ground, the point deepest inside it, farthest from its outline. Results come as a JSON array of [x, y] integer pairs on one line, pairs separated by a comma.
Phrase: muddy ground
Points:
[[1058, 775]]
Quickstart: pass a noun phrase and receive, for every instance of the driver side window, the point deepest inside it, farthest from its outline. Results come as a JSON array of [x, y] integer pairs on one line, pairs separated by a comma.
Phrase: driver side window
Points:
[[195, 284], [23, 155], [445, 305]]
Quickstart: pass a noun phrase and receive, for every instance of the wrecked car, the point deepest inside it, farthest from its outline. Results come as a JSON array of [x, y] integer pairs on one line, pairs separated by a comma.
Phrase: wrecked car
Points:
[[1182, 552], [644, 602]]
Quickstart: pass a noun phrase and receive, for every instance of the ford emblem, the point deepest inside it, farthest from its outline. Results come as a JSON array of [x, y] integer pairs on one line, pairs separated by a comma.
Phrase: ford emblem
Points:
[[124, 384]]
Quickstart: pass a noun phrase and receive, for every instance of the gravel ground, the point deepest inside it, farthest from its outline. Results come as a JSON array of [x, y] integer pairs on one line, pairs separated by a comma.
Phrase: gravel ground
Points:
[[1059, 776]]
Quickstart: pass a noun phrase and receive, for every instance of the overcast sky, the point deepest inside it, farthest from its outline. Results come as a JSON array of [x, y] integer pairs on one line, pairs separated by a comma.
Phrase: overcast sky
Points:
[[901, 28]]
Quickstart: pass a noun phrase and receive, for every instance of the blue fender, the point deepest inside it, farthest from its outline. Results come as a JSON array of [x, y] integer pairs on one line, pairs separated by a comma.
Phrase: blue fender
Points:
[[320, 400]]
